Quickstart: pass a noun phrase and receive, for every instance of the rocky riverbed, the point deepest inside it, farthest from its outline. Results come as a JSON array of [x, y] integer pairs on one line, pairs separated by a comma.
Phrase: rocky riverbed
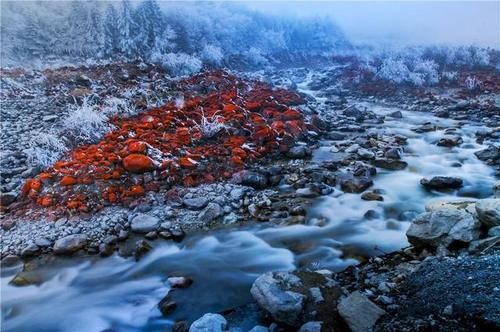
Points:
[[270, 245]]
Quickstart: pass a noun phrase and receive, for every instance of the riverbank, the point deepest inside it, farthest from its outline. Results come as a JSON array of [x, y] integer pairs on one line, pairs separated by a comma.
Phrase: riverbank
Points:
[[342, 193]]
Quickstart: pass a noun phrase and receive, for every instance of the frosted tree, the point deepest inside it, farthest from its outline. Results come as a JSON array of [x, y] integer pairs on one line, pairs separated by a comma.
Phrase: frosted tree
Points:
[[111, 35], [150, 27], [126, 30]]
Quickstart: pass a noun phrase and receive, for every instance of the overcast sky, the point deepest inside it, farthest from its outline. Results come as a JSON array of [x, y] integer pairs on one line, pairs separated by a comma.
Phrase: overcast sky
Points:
[[403, 22]]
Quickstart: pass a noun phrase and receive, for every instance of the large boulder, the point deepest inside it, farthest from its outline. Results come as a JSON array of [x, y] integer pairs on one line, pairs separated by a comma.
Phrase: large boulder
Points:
[[249, 178], [209, 323], [442, 183], [442, 228], [144, 223], [138, 163], [70, 244], [359, 313], [488, 211], [269, 290]]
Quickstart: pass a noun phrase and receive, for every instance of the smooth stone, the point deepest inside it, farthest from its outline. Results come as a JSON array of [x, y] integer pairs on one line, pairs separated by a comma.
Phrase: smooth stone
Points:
[[311, 327], [209, 323], [372, 196], [144, 223], [494, 231], [197, 203], [480, 245], [31, 250], [299, 152], [211, 212], [390, 164], [488, 211], [70, 244]]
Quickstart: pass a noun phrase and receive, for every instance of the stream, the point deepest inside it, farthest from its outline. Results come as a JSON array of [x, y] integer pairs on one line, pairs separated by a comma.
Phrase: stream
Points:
[[118, 294]]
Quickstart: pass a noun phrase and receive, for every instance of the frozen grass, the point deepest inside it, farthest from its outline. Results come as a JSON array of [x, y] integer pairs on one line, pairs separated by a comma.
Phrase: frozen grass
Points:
[[210, 126], [45, 149], [85, 122]]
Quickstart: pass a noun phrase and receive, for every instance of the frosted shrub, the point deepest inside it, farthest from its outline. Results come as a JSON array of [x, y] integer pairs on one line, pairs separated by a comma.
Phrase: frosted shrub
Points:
[[86, 122], [116, 106], [427, 70], [45, 149], [255, 57], [210, 126], [181, 63], [449, 76], [481, 57], [212, 55], [393, 71], [472, 83]]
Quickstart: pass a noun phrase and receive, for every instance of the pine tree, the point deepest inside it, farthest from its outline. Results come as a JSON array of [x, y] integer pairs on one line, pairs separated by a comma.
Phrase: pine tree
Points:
[[127, 29], [95, 35], [153, 34], [111, 36]]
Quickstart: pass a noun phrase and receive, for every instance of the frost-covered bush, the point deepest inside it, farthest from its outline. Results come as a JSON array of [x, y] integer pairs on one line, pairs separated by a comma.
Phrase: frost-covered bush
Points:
[[212, 55], [427, 71], [255, 57], [118, 106], [449, 76], [393, 71], [210, 126], [472, 83], [45, 149], [85, 122], [179, 63]]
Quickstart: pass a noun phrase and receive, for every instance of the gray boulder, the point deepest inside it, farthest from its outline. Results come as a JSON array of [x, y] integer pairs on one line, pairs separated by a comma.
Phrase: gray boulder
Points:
[[70, 244], [359, 312], [209, 323], [211, 212], [488, 211], [299, 152], [269, 290], [144, 223], [442, 228], [197, 203]]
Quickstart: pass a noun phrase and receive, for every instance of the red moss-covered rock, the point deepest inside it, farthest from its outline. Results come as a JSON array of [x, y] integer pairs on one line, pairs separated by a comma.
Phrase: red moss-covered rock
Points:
[[178, 143], [68, 181], [138, 163]]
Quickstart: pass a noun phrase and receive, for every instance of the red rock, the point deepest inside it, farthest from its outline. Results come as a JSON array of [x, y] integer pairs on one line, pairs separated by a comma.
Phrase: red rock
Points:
[[136, 147], [68, 181], [138, 163], [187, 162]]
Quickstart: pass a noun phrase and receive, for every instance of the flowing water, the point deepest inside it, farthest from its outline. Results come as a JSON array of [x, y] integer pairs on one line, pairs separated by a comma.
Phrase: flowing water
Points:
[[121, 295]]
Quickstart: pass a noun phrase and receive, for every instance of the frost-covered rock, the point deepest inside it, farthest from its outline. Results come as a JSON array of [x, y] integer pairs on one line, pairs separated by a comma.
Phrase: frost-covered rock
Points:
[[209, 323]]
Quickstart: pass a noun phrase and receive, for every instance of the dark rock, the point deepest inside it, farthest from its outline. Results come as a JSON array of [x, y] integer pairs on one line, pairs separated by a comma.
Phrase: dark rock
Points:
[[396, 114], [181, 326], [31, 250], [393, 154], [299, 152], [372, 196], [180, 282], [391, 164], [249, 178], [450, 141], [167, 305], [7, 198], [105, 250], [490, 154], [442, 183], [355, 185], [141, 248]]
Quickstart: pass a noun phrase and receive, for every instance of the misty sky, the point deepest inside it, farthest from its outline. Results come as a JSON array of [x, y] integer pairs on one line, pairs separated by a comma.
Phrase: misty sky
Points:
[[403, 22]]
